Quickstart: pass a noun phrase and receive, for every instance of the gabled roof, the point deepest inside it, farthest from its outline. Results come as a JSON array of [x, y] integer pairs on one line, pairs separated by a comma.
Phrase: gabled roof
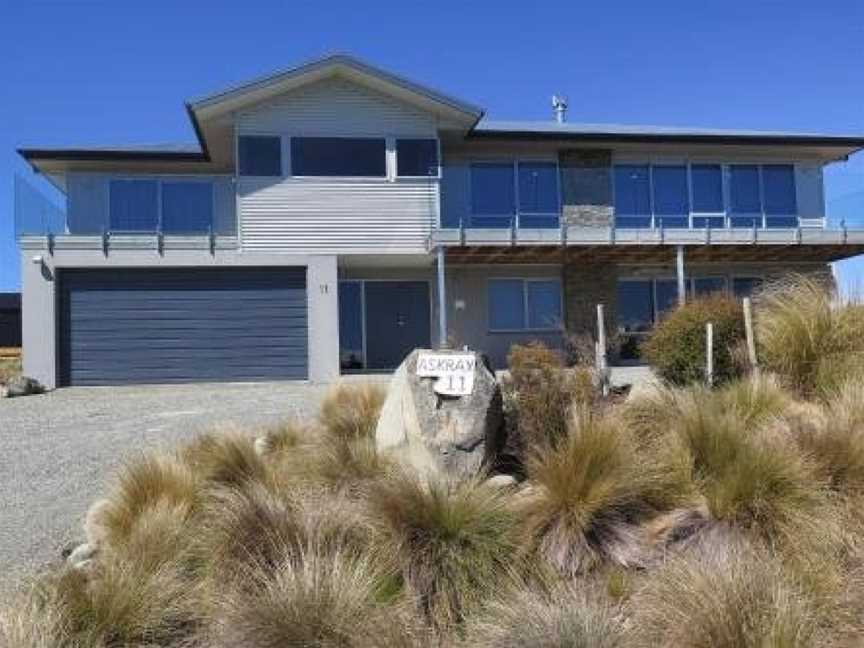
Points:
[[268, 86]]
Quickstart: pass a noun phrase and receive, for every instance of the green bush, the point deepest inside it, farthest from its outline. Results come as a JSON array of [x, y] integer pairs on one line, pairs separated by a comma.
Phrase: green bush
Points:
[[676, 348]]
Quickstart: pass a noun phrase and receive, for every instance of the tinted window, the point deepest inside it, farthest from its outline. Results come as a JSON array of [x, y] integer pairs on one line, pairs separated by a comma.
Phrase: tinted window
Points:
[[259, 155], [506, 305], [133, 205], [708, 285], [338, 157], [670, 191], [635, 306], [544, 304], [416, 157], [707, 180], [778, 189], [538, 188], [351, 324], [745, 286], [187, 207], [632, 190], [492, 189], [744, 189], [667, 295]]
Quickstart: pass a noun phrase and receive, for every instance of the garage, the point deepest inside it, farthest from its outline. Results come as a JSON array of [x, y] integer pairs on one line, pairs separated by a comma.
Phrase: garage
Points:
[[128, 326]]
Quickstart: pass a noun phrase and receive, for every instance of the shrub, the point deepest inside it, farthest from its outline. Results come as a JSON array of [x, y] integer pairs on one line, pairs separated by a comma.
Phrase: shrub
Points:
[[539, 393], [734, 598], [676, 347], [530, 615], [453, 542], [316, 598], [589, 493], [351, 412], [806, 336]]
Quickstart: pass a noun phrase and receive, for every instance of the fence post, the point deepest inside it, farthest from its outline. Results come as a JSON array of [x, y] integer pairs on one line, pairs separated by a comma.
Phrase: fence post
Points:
[[748, 334], [601, 350], [709, 354]]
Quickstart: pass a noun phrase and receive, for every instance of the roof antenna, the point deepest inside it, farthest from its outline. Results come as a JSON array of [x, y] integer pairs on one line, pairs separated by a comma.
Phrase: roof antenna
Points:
[[559, 105]]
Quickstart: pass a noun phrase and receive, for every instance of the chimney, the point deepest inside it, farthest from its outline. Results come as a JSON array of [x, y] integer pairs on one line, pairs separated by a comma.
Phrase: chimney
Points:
[[559, 105]]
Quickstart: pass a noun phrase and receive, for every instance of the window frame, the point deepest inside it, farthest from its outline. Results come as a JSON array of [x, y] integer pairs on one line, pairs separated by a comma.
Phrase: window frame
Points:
[[726, 193], [160, 180], [438, 170], [284, 155], [525, 309], [517, 213]]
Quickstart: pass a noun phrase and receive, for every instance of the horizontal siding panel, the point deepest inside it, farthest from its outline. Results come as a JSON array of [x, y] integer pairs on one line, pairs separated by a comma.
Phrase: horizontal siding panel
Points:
[[336, 107], [332, 216]]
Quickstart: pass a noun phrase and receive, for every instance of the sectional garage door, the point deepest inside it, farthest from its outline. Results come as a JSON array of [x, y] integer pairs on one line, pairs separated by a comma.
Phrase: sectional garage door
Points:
[[182, 325]]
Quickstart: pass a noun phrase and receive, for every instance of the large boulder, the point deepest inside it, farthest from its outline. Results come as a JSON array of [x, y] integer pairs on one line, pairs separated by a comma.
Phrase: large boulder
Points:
[[438, 434]]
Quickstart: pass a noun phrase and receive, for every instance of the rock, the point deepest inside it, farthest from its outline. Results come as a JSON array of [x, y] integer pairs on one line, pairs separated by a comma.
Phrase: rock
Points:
[[82, 555], [447, 436], [502, 481], [262, 446], [23, 386]]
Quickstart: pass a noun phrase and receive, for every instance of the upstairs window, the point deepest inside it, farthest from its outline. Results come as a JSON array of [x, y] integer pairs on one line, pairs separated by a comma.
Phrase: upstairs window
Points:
[[632, 195], [416, 158], [133, 205], [706, 181], [768, 189], [187, 207], [338, 157], [501, 190], [259, 155], [538, 194], [524, 304], [493, 191], [671, 196]]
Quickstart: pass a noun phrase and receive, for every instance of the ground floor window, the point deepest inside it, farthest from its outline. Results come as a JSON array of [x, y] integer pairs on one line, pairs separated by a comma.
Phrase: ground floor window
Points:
[[524, 305]]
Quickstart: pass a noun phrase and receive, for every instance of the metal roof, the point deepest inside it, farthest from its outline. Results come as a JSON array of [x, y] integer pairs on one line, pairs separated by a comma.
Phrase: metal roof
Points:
[[643, 133], [168, 151]]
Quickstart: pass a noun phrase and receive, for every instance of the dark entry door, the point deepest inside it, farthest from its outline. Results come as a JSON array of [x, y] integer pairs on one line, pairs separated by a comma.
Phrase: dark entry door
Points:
[[397, 321]]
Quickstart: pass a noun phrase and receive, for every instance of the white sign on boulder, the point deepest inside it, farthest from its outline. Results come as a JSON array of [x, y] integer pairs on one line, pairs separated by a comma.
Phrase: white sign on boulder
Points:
[[454, 372]]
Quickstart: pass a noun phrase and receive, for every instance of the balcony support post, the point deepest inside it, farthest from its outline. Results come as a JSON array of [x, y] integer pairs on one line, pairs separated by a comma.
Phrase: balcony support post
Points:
[[442, 300], [679, 259]]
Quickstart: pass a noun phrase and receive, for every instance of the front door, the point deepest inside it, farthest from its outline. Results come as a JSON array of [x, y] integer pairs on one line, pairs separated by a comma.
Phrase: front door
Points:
[[397, 321]]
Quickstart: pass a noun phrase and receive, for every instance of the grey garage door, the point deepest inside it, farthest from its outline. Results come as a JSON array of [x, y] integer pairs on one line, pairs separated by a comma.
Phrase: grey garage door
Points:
[[157, 326]]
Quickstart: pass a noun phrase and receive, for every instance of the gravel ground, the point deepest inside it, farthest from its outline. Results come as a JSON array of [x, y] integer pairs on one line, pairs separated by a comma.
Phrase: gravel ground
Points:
[[58, 451]]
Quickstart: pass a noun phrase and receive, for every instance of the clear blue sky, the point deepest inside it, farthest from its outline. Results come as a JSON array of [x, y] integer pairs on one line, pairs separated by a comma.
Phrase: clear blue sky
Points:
[[117, 71]]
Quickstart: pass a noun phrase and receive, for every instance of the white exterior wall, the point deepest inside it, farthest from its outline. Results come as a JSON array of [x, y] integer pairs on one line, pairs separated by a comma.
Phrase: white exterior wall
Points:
[[337, 215]]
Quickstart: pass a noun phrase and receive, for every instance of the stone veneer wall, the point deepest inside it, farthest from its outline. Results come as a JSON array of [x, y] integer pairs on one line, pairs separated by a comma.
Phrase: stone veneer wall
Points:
[[586, 187], [585, 286]]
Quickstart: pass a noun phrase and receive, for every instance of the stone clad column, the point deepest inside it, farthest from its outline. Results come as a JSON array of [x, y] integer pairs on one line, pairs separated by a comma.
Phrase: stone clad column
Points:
[[586, 201]]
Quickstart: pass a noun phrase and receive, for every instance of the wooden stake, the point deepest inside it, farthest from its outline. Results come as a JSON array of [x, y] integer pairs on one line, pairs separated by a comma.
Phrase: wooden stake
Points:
[[709, 354], [601, 350], [751, 339]]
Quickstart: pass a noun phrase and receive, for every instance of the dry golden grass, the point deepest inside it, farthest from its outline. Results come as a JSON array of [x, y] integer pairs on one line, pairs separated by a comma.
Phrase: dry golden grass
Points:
[[350, 411], [225, 458], [453, 542], [10, 367]]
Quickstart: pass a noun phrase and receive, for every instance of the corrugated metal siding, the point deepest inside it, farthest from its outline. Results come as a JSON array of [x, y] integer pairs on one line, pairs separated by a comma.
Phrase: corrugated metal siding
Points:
[[327, 216], [336, 107], [140, 326]]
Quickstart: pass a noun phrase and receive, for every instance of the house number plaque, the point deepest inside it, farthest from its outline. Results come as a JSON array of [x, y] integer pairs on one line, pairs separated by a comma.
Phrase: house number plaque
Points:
[[454, 372]]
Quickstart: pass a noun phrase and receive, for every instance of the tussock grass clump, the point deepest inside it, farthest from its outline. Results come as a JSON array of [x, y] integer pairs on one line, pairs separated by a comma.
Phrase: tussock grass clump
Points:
[[284, 438], [589, 494], [350, 466], [147, 482], [351, 412], [453, 542], [676, 347], [225, 458], [736, 597], [545, 615], [807, 336], [326, 599]]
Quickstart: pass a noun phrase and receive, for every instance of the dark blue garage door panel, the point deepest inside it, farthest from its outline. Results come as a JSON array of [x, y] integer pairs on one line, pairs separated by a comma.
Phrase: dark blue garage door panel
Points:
[[155, 326]]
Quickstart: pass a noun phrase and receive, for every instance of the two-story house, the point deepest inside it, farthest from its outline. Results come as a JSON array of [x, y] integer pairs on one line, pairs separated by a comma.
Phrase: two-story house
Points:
[[334, 216]]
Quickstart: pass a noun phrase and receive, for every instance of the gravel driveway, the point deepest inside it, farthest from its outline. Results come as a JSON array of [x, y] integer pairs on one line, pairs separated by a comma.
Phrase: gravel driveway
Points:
[[59, 450]]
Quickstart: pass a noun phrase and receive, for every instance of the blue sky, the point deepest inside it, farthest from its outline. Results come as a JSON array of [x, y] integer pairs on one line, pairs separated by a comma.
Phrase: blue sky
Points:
[[117, 71]]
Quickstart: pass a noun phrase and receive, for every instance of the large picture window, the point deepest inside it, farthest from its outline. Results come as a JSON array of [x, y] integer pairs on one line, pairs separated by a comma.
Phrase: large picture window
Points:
[[702, 195], [339, 157], [523, 190], [259, 155], [524, 304], [416, 158], [159, 205]]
